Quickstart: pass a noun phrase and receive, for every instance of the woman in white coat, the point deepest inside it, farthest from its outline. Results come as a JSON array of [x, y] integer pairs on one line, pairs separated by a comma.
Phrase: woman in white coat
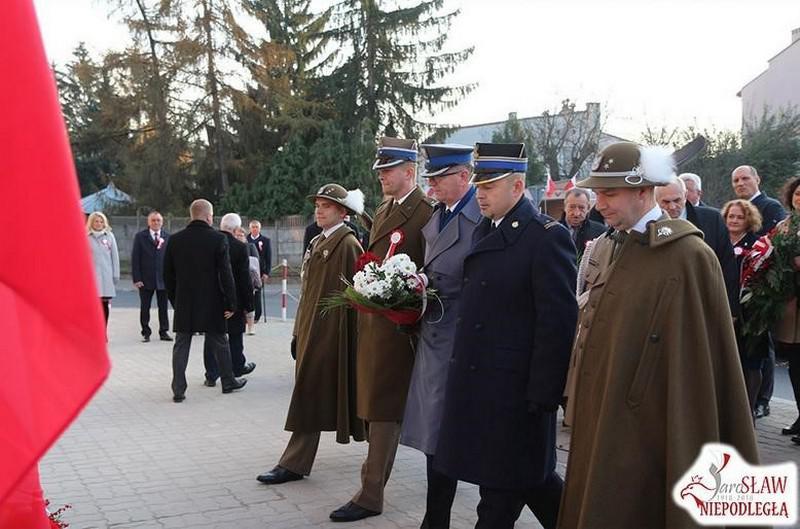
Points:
[[105, 257]]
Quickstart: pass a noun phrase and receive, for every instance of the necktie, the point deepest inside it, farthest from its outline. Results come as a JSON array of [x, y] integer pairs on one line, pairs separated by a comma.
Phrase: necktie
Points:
[[619, 239]]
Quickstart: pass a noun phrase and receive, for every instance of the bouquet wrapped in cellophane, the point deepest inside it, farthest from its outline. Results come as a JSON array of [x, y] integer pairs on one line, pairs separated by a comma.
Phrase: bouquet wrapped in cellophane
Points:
[[392, 289]]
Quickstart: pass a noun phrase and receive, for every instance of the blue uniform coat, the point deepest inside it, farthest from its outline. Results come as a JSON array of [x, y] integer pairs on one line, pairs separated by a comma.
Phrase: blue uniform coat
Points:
[[444, 261], [512, 347]]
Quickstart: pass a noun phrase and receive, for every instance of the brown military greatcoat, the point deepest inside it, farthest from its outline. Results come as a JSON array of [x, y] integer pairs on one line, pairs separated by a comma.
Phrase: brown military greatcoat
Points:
[[656, 375], [324, 396], [386, 355]]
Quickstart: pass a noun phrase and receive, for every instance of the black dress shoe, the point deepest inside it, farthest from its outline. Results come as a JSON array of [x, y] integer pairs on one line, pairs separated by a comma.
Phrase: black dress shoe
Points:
[[209, 383], [165, 337], [794, 429], [278, 475], [350, 512], [247, 369], [178, 398], [238, 383], [762, 410], [145, 339]]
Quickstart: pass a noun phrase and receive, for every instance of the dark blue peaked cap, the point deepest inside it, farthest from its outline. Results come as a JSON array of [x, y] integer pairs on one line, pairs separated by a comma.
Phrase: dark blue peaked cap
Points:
[[394, 151], [494, 161], [441, 157]]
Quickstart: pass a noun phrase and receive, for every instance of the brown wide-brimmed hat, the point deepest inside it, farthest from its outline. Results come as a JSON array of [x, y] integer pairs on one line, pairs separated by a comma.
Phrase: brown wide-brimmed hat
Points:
[[352, 201]]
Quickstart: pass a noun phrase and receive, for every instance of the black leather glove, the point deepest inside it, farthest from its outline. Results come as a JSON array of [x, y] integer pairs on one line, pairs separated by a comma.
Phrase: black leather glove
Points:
[[293, 347]]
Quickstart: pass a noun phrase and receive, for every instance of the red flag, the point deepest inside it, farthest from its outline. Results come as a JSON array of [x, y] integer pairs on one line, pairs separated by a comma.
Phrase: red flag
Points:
[[570, 184], [550, 190], [53, 350]]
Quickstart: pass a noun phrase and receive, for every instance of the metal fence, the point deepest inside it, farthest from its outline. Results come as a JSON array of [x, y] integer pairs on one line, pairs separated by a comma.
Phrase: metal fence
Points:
[[285, 235]]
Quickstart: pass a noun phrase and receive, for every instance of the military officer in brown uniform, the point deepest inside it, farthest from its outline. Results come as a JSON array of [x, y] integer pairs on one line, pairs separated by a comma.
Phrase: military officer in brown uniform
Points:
[[655, 372], [324, 395], [386, 355]]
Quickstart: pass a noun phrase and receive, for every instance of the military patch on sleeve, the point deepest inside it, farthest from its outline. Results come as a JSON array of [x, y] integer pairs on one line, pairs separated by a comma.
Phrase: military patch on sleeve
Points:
[[551, 224]]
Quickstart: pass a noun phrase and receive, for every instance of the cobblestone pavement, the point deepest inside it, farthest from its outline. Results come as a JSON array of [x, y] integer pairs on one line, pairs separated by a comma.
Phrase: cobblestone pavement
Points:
[[134, 459]]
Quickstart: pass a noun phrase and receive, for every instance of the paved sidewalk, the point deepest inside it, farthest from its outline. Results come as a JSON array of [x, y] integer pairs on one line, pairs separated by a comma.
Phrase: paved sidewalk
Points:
[[134, 459]]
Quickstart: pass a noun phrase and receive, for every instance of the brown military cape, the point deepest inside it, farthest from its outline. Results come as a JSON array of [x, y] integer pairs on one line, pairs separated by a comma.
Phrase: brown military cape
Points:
[[658, 376], [386, 355], [324, 396]]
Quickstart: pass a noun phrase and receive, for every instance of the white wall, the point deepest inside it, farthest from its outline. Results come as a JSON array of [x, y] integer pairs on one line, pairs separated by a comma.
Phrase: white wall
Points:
[[777, 88]]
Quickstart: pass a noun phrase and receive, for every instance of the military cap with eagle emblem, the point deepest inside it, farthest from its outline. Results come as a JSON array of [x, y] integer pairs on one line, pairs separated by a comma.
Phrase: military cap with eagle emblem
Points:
[[439, 158], [494, 161], [394, 151], [352, 201], [630, 165]]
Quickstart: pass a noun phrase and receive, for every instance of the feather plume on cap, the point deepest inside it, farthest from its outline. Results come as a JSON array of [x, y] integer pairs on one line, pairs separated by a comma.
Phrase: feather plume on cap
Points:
[[355, 201], [656, 164]]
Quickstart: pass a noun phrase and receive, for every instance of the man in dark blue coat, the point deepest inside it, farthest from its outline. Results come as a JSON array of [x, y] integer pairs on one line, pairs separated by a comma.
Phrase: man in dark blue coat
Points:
[[199, 281], [514, 332], [147, 269], [745, 181]]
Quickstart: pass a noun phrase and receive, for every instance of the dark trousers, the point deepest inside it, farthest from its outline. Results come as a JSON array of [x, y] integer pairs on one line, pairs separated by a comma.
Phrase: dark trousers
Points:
[[791, 352], [499, 508], [767, 377], [145, 300], [106, 302], [236, 346], [217, 343], [439, 501], [257, 305]]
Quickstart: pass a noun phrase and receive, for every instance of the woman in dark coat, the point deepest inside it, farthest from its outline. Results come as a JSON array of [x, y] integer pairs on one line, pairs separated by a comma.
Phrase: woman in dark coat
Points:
[[744, 221]]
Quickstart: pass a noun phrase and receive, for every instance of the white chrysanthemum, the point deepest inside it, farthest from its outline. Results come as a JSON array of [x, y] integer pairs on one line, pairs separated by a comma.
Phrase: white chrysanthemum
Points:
[[412, 283]]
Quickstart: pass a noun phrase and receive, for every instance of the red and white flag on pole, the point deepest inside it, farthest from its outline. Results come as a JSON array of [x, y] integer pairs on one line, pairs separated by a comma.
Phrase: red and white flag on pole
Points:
[[550, 189], [570, 184], [54, 349]]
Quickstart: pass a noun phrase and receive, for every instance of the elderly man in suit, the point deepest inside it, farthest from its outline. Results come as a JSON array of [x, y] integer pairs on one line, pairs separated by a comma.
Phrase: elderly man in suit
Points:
[[448, 237], [515, 324], [673, 199], [199, 281], [147, 269], [262, 244], [575, 218], [745, 181], [694, 188], [385, 354], [240, 267]]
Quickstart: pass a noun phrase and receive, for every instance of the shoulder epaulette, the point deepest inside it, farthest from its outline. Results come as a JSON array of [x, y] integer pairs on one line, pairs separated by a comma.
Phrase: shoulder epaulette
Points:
[[552, 223]]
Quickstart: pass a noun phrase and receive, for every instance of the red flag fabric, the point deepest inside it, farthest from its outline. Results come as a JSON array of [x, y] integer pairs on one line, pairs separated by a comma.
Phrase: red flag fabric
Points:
[[24, 507], [570, 184], [53, 347], [550, 190]]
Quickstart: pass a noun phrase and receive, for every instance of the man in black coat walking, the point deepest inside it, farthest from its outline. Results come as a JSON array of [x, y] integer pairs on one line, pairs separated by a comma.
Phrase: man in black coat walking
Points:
[[240, 266], [745, 181], [576, 219], [197, 274], [515, 327], [147, 269], [673, 199]]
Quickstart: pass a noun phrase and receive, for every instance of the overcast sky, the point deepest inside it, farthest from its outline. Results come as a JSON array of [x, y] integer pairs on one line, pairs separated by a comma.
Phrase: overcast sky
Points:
[[648, 62]]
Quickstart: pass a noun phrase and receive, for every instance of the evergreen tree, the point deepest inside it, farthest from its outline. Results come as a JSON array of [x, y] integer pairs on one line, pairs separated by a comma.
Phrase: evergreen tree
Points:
[[514, 131], [392, 63]]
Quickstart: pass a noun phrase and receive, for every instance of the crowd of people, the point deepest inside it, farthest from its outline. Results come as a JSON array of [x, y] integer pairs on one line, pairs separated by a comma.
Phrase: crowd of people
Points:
[[626, 311]]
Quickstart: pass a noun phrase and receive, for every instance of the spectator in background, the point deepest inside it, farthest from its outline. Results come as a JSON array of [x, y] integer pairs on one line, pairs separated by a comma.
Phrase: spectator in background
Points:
[[745, 181], [577, 204], [105, 258], [255, 273], [265, 259], [787, 331], [744, 221], [694, 188], [147, 268], [240, 267], [199, 281], [674, 201]]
